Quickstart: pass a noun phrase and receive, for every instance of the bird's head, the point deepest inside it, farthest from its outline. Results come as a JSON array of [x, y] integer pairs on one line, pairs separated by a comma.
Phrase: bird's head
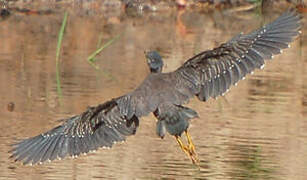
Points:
[[154, 61]]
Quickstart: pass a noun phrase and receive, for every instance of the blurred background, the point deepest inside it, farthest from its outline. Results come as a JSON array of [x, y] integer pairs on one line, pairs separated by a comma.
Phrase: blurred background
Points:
[[258, 130]]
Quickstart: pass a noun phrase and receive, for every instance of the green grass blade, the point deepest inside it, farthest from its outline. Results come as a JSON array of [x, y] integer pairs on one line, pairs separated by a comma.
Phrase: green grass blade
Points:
[[91, 58], [58, 49]]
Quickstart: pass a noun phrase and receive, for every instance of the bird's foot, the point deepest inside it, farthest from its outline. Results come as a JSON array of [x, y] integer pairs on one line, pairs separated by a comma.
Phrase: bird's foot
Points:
[[193, 156], [188, 149]]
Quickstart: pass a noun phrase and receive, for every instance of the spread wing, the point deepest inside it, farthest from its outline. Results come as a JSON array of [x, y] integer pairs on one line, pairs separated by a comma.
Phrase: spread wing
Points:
[[99, 126], [211, 73], [208, 74]]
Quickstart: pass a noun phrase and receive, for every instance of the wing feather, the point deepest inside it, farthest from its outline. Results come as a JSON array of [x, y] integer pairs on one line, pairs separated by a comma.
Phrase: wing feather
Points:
[[208, 74], [99, 126], [232, 61]]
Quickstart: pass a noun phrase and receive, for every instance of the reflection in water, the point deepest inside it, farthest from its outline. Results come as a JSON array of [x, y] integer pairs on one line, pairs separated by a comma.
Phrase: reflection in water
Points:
[[249, 163], [259, 134]]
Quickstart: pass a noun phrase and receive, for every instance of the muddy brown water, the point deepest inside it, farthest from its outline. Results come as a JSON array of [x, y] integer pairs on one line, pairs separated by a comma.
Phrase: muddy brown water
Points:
[[257, 131]]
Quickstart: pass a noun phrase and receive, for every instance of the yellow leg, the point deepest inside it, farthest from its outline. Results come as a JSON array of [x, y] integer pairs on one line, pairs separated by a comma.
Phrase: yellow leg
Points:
[[190, 143], [183, 147], [193, 155], [188, 149]]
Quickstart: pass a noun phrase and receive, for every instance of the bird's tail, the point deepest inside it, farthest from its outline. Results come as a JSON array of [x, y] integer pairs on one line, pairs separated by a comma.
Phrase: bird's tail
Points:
[[174, 119]]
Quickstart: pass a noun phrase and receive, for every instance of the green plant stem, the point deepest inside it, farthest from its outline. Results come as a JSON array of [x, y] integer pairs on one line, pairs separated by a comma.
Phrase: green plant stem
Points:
[[58, 49]]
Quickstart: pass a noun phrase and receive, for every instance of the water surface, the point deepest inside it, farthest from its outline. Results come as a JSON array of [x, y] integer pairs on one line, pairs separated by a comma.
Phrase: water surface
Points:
[[257, 131]]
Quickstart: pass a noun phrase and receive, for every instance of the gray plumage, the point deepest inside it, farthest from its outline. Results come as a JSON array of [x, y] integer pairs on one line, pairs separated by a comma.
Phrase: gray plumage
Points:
[[171, 118], [154, 61], [208, 74]]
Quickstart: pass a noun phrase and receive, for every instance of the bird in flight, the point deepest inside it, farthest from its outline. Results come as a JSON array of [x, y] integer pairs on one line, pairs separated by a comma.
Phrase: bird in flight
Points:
[[208, 74]]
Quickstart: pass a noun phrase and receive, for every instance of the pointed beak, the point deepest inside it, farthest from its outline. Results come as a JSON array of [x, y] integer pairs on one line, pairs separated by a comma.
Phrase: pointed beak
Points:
[[147, 57]]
